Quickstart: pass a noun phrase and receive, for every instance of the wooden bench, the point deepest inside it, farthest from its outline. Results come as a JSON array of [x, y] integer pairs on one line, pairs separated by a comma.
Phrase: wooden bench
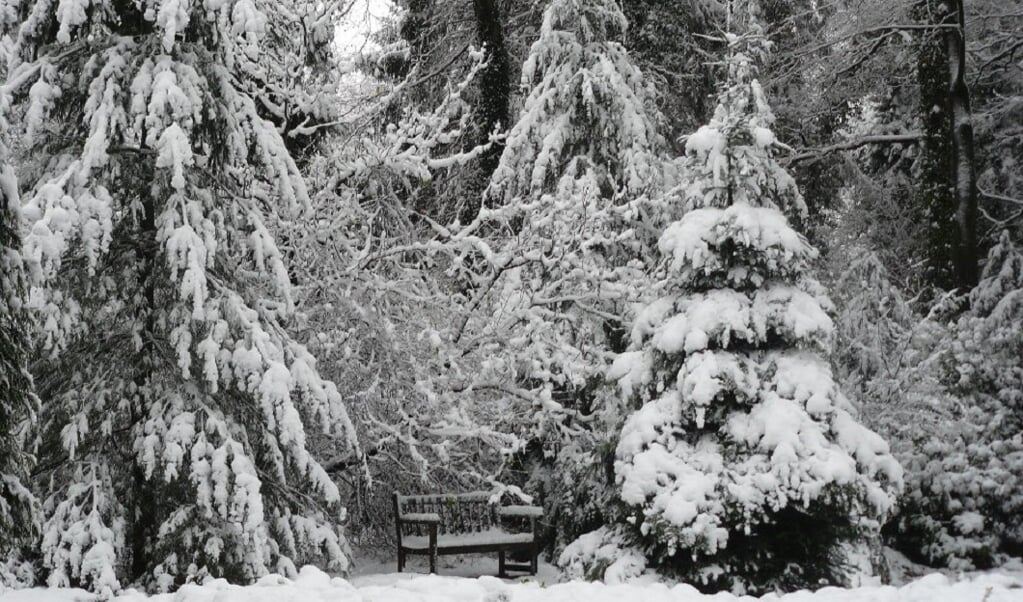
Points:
[[465, 523]]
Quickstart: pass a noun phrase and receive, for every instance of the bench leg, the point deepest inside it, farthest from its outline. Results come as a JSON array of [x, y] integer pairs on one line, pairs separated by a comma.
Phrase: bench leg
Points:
[[433, 549], [500, 565], [401, 560], [532, 560]]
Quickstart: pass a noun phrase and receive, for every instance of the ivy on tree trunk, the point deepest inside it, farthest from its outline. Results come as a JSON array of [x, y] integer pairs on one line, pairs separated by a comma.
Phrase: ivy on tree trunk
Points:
[[947, 188]]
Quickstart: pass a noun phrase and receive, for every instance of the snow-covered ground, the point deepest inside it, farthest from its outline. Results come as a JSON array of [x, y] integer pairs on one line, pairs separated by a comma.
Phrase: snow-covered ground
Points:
[[312, 585]]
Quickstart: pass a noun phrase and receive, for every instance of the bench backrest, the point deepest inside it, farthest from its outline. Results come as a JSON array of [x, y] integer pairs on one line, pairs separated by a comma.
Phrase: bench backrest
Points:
[[459, 513]]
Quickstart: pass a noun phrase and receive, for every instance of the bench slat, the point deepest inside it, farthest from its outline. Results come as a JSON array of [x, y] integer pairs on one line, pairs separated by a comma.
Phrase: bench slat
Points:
[[477, 496]]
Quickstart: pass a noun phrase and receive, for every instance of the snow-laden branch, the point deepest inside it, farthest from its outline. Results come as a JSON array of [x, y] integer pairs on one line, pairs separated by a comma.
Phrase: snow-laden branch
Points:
[[815, 154], [1000, 197]]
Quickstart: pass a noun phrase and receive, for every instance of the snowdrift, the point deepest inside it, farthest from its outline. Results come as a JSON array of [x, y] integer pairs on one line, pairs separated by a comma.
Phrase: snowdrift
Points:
[[312, 585]]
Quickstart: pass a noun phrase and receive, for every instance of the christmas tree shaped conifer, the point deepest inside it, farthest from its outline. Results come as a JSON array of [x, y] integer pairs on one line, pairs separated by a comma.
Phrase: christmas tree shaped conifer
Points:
[[741, 464]]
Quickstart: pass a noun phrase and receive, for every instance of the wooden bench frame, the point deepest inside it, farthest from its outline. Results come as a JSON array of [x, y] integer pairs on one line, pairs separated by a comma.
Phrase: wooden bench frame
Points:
[[427, 516]]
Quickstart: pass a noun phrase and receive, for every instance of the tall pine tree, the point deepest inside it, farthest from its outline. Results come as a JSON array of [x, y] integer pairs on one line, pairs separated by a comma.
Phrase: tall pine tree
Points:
[[178, 412]]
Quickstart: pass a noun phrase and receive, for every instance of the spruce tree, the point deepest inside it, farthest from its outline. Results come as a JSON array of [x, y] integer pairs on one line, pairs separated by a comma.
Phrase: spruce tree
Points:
[[740, 464], [178, 413]]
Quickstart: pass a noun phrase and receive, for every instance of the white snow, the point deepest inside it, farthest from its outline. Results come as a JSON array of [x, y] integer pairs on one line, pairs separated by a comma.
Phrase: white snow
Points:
[[692, 244], [603, 547], [520, 510], [723, 315], [312, 585]]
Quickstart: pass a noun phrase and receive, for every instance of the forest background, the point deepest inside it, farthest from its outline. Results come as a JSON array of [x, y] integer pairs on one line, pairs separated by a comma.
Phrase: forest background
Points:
[[252, 287]]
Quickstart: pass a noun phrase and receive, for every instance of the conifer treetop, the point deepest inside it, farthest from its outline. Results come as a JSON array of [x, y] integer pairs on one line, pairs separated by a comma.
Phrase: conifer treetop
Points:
[[586, 103]]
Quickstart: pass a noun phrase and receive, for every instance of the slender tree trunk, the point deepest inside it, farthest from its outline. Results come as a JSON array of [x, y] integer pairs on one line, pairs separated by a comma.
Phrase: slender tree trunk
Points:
[[495, 87], [494, 106], [934, 201], [966, 254], [142, 530]]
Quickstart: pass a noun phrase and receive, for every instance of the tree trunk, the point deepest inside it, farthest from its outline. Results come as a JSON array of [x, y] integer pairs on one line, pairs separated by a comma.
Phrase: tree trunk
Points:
[[493, 107], [946, 190], [143, 512], [495, 88], [934, 201], [966, 254]]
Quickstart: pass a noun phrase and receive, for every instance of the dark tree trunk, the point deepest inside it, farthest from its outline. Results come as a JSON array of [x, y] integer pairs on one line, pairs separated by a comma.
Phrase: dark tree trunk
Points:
[[495, 87], [493, 107], [966, 254], [143, 511], [934, 201], [947, 187]]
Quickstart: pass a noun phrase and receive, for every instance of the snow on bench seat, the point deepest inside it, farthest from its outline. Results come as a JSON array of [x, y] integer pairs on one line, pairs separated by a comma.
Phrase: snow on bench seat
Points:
[[421, 517], [490, 537], [534, 511]]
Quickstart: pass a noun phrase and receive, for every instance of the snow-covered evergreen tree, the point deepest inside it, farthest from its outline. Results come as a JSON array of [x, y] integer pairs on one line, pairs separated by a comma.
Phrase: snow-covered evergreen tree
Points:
[[740, 463], [965, 477], [19, 510], [178, 412], [569, 208], [582, 151]]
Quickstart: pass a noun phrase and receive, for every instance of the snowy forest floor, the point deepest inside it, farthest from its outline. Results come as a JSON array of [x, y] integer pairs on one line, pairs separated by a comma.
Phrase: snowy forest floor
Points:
[[469, 579]]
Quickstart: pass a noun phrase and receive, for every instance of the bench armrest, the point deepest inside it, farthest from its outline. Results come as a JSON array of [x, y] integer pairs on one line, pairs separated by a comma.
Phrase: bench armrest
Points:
[[527, 511], [426, 518]]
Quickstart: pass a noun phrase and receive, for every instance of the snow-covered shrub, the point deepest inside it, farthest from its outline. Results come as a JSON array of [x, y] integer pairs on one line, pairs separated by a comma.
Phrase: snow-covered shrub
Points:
[[965, 476], [740, 463], [178, 410], [605, 554], [941, 389]]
